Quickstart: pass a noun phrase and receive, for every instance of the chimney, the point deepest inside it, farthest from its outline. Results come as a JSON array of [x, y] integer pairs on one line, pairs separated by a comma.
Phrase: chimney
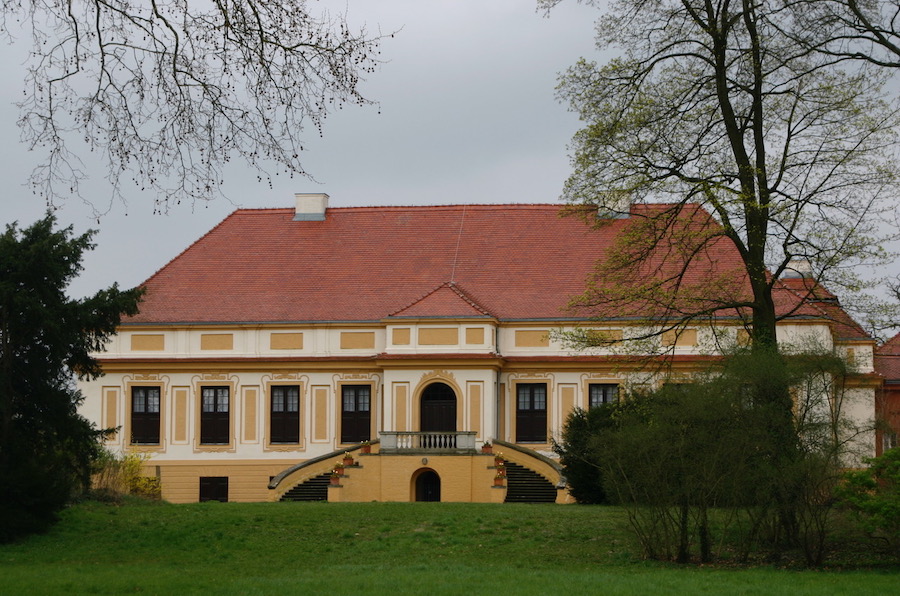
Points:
[[615, 204], [310, 206], [797, 267]]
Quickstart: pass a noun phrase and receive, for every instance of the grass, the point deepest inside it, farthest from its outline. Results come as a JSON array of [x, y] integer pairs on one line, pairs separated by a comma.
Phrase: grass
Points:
[[375, 548]]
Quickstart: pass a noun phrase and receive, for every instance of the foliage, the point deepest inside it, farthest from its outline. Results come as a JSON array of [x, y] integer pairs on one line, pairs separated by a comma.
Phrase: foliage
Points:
[[874, 494], [579, 452], [867, 30], [46, 447], [673, 455], [714, 105], [713, 132], [678, 452], [169, 92], [118, 475]]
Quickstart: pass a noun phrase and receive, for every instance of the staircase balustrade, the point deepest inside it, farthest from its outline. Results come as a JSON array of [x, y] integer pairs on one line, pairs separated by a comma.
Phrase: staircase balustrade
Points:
[[427, 442]]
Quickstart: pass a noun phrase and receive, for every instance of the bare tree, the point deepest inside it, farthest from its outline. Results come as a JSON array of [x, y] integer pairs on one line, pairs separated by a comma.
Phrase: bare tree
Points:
[[168, 92], [714, 129], [714, 104], [867, 30]]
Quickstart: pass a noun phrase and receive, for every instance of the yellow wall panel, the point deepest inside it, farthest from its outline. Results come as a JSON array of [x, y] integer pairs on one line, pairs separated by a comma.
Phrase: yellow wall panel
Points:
[[357, 340], [320, 413], [251, 396], [110, 410], [216, 341], [180, 415], [606, 335], [286, 341], [400, 337], [443, 336], [501, 411], [532, 338], [685, 337], [567, 400], [401, 391], [475, 407], [148, 342], [475, 335]]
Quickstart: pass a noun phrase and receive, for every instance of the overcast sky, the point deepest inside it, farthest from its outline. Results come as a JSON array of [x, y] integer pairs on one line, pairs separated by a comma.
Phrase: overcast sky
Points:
[[467, 114]]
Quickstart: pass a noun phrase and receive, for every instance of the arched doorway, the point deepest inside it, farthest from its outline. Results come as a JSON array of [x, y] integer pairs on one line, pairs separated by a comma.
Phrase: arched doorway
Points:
[[428, 486], [437, 411]]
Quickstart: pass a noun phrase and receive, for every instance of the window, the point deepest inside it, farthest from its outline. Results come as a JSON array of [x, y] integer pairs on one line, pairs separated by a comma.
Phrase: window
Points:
[[145, 415], [214, 488], [599, 394], [284, 420], [215, 424], [531, 413], [355, 413]]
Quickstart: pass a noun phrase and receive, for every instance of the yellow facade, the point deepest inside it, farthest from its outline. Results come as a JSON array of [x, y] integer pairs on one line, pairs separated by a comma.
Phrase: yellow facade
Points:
[[480, 368]]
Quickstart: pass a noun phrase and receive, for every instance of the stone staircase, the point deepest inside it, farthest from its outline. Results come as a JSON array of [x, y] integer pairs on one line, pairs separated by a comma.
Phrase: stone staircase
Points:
[[314, 489], [527, 486]]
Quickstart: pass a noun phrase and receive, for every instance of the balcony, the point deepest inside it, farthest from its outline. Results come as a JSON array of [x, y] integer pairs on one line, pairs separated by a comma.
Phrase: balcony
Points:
[[427, 442]]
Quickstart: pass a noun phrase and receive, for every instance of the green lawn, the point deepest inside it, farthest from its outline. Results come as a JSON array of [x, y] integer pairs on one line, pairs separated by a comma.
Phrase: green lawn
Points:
[[376, 548]]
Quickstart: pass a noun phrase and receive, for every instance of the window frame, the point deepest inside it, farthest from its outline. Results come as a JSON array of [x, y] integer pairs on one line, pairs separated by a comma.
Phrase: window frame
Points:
[[213, 488], [604, 399], [356, 424], [218, 418], [142, 419], [536, 417], [284, 425]]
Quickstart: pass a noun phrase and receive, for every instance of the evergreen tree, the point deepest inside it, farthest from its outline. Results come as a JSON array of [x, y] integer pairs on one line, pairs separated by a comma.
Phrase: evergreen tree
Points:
[[46, 338]]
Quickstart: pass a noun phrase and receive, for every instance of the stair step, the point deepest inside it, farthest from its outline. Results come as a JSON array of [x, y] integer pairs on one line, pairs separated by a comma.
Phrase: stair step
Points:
[[313, 489], [527, 486]]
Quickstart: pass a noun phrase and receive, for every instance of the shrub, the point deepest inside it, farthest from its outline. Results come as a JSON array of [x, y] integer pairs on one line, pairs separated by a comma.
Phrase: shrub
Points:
[[579, 452], [117, 475], [873, 495]]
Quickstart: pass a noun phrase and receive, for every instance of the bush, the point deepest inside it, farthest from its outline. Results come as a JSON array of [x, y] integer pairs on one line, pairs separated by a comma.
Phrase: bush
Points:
[[873, 495], [118, 475], [579, 452]]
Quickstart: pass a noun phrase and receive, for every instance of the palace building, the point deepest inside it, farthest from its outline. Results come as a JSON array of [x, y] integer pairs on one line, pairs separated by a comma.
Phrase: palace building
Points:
[[406, 337]]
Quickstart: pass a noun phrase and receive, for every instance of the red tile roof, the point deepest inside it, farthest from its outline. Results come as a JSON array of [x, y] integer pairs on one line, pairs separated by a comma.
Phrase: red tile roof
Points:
[[511, 262], [814, 295], [447, 300], [887, 359]]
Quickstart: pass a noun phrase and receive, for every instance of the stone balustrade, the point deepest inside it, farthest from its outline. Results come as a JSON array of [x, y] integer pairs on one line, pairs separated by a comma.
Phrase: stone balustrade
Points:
[[427, 442]]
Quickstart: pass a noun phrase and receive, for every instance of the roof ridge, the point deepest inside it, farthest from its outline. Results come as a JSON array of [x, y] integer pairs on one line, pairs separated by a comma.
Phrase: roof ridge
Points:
[[454, 205], [892, 339], [455, 289], [832, 303], [465, 296]]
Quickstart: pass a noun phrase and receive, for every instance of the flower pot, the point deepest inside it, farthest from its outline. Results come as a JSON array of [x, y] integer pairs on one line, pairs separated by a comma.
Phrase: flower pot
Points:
[[365, 449], [486, 448], [335, 480], [498, 481], [348, 461]]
